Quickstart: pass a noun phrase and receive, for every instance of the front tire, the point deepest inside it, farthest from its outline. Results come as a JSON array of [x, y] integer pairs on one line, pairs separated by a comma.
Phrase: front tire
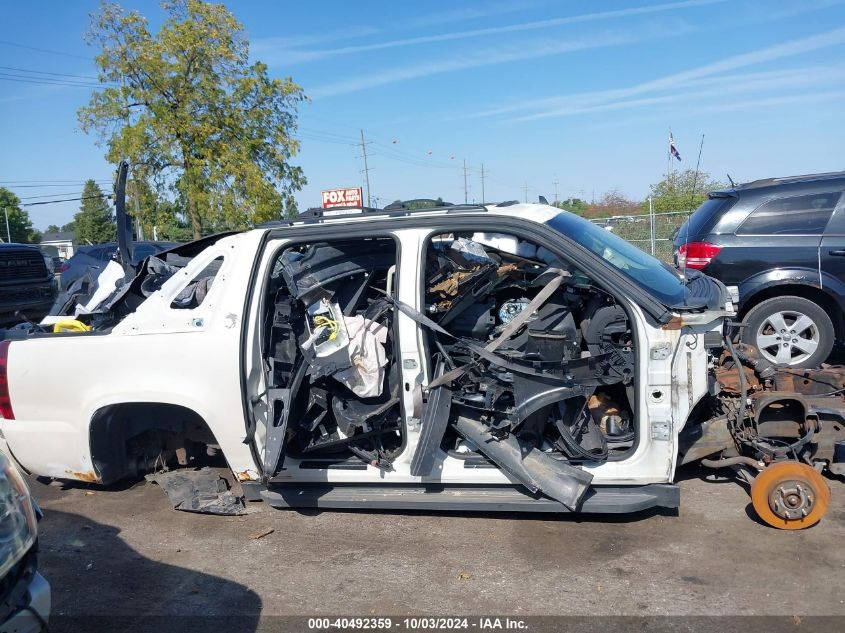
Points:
[[789, 331]]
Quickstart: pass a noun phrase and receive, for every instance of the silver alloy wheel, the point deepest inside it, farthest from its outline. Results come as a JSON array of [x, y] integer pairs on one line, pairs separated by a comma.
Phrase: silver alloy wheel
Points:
[[787, 337]]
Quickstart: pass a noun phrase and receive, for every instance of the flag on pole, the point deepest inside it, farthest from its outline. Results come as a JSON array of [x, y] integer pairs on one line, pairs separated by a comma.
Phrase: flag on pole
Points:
[[672, 149]]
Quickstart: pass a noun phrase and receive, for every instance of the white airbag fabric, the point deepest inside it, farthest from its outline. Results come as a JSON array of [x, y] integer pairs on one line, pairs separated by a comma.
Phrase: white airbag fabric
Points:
[[365, 377]]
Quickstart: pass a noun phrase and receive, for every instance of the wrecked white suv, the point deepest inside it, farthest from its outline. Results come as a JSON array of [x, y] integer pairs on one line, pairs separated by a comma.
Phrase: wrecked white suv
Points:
[[504, 357]]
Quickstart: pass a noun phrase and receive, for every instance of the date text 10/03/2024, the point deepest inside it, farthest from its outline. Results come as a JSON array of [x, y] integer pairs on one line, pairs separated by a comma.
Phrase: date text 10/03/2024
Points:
[[417, 624]]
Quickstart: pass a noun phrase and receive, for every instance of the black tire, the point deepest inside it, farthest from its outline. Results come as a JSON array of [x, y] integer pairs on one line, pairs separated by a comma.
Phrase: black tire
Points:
[[798, 344]]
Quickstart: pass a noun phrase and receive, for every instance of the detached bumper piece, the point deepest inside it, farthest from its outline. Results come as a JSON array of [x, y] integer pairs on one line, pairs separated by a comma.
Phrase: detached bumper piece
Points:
[[439, 498], [202, 490]]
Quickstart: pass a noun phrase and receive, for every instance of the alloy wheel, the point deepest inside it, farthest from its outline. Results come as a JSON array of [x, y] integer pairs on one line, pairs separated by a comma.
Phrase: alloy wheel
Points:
[[787, 337]]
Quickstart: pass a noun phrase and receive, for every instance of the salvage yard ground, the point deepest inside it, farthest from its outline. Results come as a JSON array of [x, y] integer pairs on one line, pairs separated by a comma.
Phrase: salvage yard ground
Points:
[[126, 552]]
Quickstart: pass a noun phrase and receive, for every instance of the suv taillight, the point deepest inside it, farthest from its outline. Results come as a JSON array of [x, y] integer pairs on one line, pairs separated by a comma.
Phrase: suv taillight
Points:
[[5, 400], [697, 254], [63, 267]]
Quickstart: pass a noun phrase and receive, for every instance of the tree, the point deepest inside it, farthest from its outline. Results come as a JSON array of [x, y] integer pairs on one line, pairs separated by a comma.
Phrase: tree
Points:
[[682, 191], [614, 202], [188, 106], [53, 228], [20, 226], [575, 205], [94, 222]]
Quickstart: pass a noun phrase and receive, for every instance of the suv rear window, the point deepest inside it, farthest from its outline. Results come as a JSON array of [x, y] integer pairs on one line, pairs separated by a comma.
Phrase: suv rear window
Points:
[[705, 217], [796, 215]]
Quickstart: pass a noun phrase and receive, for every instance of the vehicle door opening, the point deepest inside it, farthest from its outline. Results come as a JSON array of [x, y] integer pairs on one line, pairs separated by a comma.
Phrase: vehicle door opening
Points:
[[333, 383], [536, 360]]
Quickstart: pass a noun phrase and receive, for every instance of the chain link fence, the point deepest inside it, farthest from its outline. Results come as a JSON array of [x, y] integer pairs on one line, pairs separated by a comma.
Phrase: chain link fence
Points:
[[652, 233]]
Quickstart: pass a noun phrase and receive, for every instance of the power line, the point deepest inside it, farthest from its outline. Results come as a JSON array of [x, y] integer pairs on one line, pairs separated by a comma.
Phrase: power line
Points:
[[43, 50], [52, 81], [366, 169], [34, 204], [56, 183], [40, 82], [52, 195], [47, 72], [465, 182]]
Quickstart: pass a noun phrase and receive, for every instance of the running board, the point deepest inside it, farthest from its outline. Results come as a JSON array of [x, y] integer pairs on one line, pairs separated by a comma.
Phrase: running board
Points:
[[436, 497]]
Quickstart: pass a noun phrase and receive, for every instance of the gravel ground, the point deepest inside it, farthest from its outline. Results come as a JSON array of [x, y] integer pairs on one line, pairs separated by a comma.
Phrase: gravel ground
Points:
[[126, 552]]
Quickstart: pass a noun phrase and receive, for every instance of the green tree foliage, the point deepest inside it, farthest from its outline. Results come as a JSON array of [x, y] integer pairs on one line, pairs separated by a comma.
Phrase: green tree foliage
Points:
[[20, 226], [575, 205], [53, 228], [93, 222], [157, 216], [682, 191], [189, 107]]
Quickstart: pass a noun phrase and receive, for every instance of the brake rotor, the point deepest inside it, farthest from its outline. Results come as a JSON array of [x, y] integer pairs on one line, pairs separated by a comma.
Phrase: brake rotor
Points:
[[790, 496]]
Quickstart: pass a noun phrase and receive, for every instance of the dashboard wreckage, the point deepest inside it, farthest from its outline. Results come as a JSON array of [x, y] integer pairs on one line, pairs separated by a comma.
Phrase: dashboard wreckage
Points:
[[506, 357]]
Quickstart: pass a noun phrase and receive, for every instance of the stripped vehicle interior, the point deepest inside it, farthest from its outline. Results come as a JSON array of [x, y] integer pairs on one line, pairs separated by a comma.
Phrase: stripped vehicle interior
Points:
[[331, 372], [532, 362]]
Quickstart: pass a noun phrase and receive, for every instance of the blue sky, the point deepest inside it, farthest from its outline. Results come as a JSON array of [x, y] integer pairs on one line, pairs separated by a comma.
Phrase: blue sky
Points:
[[538, 91]]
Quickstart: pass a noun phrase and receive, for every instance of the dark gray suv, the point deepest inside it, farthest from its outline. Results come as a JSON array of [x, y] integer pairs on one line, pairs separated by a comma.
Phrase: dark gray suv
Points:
[[779, 246], [27, 287]]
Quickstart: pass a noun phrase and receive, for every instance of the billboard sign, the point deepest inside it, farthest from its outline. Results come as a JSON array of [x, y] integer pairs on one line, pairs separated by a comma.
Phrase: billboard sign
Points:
[[349, 197]]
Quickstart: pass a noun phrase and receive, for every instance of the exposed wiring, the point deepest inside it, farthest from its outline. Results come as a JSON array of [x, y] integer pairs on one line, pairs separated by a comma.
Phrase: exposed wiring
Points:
[[331, 324]]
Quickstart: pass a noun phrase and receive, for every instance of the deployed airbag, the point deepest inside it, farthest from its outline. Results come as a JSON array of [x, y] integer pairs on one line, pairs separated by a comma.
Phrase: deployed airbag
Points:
[[367, 356]]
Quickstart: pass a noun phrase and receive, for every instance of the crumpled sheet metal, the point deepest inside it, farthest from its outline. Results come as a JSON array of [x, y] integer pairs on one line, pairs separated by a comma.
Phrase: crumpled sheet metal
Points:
[[203, 491]]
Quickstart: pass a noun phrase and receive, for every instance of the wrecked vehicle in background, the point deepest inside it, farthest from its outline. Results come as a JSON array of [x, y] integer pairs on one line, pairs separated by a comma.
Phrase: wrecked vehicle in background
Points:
[[503, 357]]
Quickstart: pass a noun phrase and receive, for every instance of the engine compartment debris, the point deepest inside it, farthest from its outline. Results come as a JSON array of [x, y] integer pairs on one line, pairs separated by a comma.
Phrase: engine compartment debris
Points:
[[762, 415]]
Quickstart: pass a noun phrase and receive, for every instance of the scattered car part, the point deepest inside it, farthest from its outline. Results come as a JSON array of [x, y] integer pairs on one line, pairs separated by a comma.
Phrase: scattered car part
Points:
[[202, 490], [531, 467], [790, 496]]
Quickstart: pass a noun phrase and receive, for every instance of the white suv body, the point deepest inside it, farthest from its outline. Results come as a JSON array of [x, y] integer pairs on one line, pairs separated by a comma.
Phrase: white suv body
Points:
[[208, 360]]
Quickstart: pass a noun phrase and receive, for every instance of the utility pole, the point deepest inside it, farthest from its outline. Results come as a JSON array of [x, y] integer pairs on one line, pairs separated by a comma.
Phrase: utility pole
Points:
[[366, 168], [137, 204], [482, 184], [525, 189], [556, 184], [466, 197], [8, 232]]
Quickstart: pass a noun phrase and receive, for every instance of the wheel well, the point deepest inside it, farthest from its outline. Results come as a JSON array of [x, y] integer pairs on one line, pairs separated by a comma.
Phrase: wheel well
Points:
[[129, 439], [806, 292]]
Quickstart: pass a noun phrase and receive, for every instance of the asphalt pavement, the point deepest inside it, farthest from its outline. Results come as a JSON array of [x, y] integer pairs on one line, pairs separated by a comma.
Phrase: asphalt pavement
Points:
[[126, 552]]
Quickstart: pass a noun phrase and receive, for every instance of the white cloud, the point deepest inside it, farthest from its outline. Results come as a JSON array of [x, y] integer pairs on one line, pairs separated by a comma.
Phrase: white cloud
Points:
[[291, 56], [563, 104], [486, 57], [710, 88], [466, 14]]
